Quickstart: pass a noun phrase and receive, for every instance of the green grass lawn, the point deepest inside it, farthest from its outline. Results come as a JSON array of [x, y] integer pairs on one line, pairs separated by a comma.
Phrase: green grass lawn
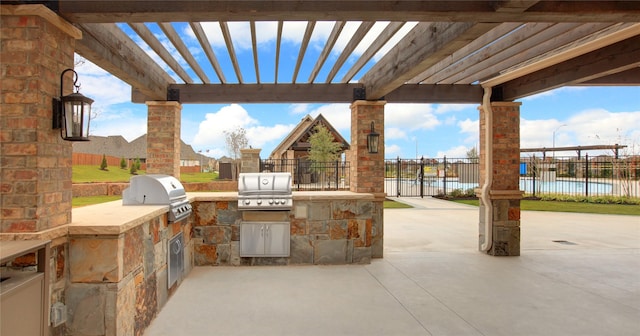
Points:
[[87, 174], [609, 209], [389, 204], [91, 200]]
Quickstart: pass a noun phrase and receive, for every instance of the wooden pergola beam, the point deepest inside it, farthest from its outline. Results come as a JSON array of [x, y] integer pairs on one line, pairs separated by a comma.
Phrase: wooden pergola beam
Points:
[[618, 57], [320, 93], [82, 11], [109, 48], [424, 46]]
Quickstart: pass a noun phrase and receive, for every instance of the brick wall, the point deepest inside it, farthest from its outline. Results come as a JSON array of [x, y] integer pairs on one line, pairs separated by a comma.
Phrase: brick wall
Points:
[[504, 193], [36, 162], [367, 170], [163, 138]]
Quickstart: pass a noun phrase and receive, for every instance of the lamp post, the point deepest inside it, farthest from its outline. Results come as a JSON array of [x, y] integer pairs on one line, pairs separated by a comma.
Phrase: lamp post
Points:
[[554, 140]]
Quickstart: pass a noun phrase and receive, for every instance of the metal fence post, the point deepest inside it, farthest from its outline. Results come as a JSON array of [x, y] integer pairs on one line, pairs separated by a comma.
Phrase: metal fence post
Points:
[[398, 177], [534, 169], [336, 174], [298, 172], [444, 177], [586, 174], [422, 177]]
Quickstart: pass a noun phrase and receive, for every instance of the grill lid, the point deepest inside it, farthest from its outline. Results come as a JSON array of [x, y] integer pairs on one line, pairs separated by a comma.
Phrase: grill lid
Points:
[[256, 184], [153, 189], [264, 191], [158, 189]]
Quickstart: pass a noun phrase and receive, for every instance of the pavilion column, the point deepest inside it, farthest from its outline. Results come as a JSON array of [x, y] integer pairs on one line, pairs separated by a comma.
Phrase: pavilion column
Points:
[[35, 163], [504, 193], [367, 169], [163, 138]]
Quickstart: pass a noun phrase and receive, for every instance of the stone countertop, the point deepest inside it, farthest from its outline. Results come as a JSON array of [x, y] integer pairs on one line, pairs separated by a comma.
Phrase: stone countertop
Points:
[[113, 218], [297, 195]]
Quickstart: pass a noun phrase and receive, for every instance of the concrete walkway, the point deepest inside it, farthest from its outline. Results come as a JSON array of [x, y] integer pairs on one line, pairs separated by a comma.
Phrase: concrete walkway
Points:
[[433, 281]]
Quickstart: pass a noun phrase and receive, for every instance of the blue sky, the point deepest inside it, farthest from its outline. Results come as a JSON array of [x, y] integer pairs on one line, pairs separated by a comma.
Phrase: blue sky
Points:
[[578, 115]]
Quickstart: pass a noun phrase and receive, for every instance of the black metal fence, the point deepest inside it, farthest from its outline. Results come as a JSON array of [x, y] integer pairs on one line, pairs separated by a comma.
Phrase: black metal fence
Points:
[[431, 176], [308, 175], [574, 176]]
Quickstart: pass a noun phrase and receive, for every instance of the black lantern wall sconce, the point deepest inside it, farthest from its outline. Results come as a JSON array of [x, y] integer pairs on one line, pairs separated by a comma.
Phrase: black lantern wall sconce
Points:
[[72, 113], [373, 140]]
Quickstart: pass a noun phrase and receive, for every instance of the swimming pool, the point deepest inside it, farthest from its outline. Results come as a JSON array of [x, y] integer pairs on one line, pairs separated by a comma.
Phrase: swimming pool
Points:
[[434, 186]]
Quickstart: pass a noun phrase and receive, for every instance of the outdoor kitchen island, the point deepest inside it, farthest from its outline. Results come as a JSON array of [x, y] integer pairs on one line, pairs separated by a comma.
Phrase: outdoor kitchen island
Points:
[[119, 255], [326, 227]]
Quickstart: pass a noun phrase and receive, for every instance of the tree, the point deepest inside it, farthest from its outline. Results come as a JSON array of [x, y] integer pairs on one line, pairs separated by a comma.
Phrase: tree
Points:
[[103, 164], [323, 150], [472, 153], [323, 147], [236, 140], [123, 163], [137, 163]]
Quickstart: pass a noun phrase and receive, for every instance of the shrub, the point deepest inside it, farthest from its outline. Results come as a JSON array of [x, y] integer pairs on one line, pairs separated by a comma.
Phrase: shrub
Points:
[[103, 164], [123, 163], [133, 170]]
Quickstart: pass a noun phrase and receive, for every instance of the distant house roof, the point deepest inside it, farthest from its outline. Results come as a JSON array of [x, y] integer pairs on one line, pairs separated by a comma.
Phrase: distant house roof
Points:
[[298, 138], [116, 145]]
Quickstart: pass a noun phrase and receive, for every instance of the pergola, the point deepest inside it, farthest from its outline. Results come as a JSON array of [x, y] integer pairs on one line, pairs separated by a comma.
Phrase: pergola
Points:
[[483, 52], [518, 47]]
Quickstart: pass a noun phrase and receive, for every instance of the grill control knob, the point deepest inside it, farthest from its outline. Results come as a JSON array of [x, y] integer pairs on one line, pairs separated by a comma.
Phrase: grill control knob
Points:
[[259, 202], [270, 202], [247, 202]]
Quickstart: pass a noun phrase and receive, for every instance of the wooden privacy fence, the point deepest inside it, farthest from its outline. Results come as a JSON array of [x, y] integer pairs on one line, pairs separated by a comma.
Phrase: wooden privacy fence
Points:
[[85, 159]]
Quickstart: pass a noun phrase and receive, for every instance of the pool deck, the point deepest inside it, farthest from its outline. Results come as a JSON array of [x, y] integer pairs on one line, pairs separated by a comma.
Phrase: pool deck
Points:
[[579, 274]]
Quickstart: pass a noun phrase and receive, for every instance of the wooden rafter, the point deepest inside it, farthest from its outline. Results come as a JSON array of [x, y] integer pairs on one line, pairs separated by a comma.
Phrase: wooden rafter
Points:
[[303, 48], [388, 32], [363, 29], [254, 44], [224, 27], [148, 37], [278, 41], [331, 41], [628, 77], [531, 48], [204, 42], [425, 45], [618, 57], [470, 49], [173, 36]]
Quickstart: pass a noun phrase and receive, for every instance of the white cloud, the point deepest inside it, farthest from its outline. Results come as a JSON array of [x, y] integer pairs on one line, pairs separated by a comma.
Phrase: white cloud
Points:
[[446, 108], [210, 133], [298, 108], [392, 150], [554, 92], [471, 128], [394, 133], [338, 115], [101, 86], [123, 122], [410, 116], [455, 152]]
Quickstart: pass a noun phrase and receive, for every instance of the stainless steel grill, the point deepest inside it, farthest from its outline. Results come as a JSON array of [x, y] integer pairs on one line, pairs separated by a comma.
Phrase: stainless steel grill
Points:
[[264, 191], [157, 189]]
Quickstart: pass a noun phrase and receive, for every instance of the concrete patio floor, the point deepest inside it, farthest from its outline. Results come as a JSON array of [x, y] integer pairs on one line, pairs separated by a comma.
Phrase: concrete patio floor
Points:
[[433, 281]]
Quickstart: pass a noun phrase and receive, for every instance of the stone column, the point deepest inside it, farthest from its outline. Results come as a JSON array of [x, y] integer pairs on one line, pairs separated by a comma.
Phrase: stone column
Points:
[[163, 138], [35, 175], [367, 170], [505, 191], [250, 160]]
